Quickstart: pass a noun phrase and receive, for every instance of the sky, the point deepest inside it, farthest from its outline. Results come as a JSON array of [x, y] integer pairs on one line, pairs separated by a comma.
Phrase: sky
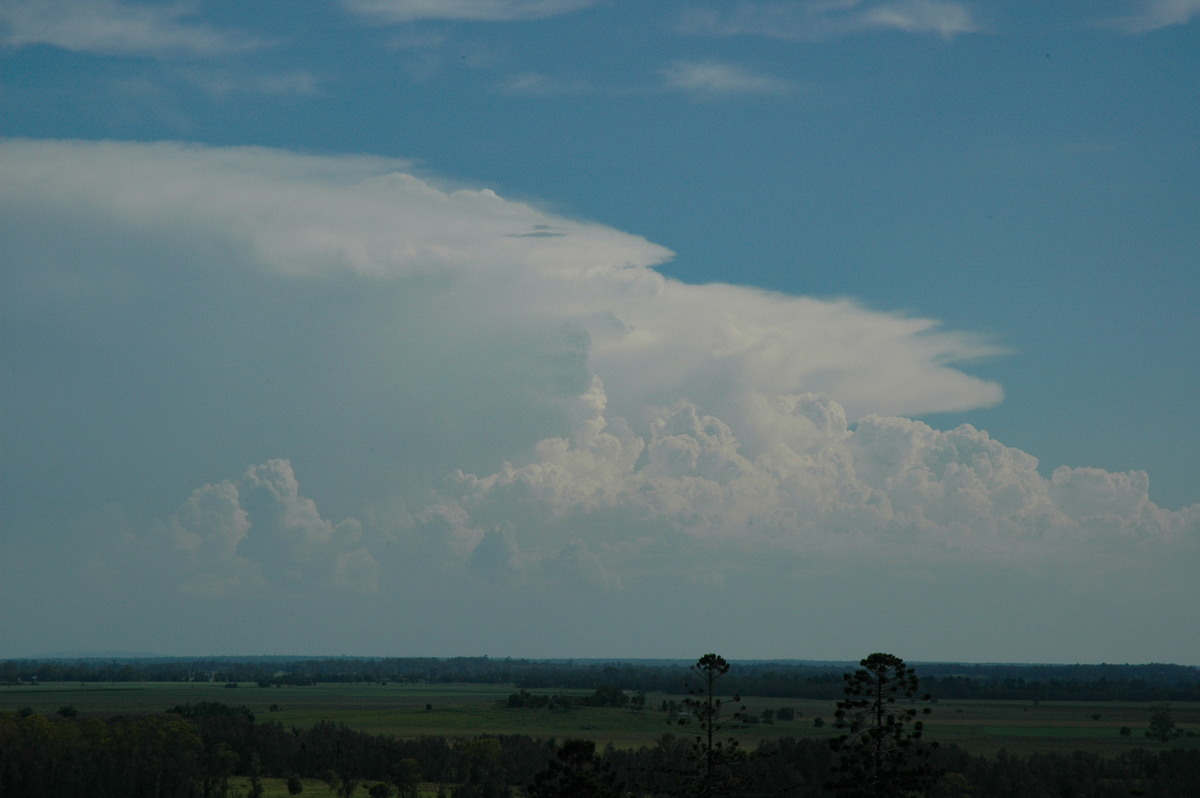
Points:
[[601, 328]]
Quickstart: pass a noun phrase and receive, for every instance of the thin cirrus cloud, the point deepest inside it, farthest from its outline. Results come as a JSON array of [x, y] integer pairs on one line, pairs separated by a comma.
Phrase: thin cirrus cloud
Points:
[[335, 381], [295, 83], [715, 79], [537, 84], [463, 10], [1151, 15], [112, 27], [821, 20]]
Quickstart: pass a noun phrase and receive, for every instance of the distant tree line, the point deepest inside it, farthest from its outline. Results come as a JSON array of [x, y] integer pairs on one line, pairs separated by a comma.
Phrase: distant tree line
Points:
[[193, 751], [767, 679]]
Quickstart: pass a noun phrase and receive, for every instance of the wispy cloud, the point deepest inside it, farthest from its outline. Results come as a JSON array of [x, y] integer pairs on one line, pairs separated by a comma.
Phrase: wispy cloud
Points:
[[112, 27], [537, 84], [463, 10], [297, 83], [820, 19], [713, 78], [1150, 15]]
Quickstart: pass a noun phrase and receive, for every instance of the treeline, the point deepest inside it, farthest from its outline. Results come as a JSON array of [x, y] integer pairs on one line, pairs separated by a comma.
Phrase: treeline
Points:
[[768, 679], [193, 750]]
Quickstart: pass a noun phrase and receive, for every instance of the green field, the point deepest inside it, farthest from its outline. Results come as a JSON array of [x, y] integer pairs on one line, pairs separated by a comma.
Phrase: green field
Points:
[[467, 709]]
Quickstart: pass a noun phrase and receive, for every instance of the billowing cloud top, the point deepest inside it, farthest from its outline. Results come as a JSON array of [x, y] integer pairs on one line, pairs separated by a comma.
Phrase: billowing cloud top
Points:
[[328, 380]]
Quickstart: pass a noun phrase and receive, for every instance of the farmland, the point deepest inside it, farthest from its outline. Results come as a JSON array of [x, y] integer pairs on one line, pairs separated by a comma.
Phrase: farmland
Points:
[[416, 710]]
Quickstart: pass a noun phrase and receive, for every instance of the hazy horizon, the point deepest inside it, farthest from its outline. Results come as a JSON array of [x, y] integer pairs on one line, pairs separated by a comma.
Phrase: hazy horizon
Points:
[[735, 660]]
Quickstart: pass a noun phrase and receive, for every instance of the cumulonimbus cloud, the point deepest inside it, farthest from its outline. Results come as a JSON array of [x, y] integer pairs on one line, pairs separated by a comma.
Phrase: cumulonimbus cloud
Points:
[[489, 395]]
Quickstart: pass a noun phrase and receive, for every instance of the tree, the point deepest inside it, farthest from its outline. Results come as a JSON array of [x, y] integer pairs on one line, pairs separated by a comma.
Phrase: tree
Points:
[[295, 785], [1162, 725], [607, 695], [718, 770], [881, 755], [256, 787], [576, 772], [407, 778]]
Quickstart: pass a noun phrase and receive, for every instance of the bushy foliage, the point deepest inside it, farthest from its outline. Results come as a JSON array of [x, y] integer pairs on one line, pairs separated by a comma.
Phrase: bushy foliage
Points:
[[576, 772], [881, 754], [167, 755]]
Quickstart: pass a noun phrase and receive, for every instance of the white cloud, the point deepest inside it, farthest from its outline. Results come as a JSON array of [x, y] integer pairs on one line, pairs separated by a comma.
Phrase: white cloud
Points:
[[891, 490], [465, 10], [1150, 15], [712, 78], [514, 416], [112, 27], [261, 531], [224, 83], [921, 16], [537, 84], [832, 18]]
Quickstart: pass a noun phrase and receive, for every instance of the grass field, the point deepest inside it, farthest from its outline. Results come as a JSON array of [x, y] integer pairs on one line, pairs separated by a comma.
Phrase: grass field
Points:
[[466, 709]]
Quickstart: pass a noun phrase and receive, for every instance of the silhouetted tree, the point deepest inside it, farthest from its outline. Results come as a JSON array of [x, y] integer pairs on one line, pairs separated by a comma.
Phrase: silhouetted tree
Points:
[[718, 763], [407, 778], [576, 772], [881, 755], [1162, 725]]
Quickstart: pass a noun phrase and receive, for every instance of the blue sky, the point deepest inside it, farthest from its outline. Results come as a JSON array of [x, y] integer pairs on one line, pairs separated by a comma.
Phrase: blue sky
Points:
[[440, 325]]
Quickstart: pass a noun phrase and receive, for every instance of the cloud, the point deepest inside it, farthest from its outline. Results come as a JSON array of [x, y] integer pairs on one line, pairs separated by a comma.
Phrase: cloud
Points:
[[223, 83], [712, 78], [831, 18], [891, 490], [537, 84], [463, 10], [342, 392], [260, 531], [1152, 15], [111, 27], [921, 16]]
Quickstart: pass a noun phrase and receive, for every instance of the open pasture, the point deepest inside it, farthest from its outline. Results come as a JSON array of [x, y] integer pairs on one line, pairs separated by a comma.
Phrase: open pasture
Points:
[[414, 710]]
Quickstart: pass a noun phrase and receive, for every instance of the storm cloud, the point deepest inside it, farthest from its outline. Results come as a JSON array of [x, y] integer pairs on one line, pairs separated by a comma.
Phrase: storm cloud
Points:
[[362, 398]]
